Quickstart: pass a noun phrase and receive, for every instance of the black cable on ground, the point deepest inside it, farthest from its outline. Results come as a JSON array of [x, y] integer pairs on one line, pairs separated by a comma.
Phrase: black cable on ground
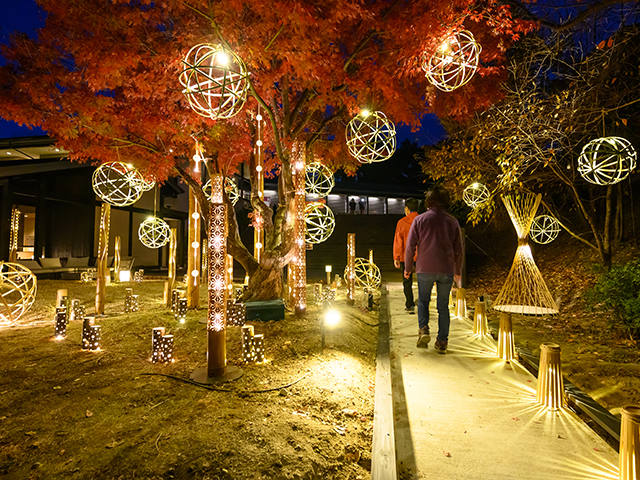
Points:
[[217, 389]]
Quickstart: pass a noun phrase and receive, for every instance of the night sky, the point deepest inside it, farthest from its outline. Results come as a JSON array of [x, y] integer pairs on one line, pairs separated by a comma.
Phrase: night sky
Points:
[[23, 16]]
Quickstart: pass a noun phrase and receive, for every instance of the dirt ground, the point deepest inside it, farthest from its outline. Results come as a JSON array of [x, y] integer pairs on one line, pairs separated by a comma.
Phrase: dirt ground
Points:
[[307, 413], [600, 359]]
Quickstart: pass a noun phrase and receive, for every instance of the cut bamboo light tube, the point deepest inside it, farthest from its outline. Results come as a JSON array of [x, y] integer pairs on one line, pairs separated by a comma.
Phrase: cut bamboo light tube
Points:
[[103, 246], [506, 344], [461, 303], [351, 268], [630, 443], [193, 258], [480, 326], [258, 221], [116, 259], [550, 383]]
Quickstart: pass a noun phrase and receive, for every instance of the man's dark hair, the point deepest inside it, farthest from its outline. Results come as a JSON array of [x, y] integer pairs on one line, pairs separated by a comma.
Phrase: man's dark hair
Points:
[[412, 204], [438, 196]]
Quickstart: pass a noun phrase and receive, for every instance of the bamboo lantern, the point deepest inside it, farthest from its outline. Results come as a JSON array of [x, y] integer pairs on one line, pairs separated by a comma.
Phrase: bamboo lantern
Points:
[[550, 383], [193, 259], [61, 323], [317, 293], [154, 232], [138, 276], [248, 349], [258, 221], [91, 334], [181, 310], [461, 303], [258, 346], [371, 137], [319, 222], [506, 343], [156, 335], [236, 313], [607, 160], [630, 443], [524, 290], [475, 195], [77, 310], [165, 350], [367, 274], [544, 229], [18, 286], [351, 268], [128, 295], [319, 180], [328, 293], [135, 303], [14, 233], [300, 254], [215, 81], [480, 326], [175, 296], [103, 246], [117, 184], [229, 268], [60, 297], [116, 259], [454, 63], [87, 276], [173, 242]]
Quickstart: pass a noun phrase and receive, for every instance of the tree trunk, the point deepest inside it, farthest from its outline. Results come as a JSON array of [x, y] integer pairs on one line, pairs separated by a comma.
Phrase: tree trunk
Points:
[[265, 283]]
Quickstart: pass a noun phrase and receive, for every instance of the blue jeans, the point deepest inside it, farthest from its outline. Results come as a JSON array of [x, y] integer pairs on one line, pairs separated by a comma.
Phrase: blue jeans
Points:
[[444, 282]]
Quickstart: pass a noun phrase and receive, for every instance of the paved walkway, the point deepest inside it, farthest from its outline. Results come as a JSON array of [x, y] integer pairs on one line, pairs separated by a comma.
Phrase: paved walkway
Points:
[[468, 415]]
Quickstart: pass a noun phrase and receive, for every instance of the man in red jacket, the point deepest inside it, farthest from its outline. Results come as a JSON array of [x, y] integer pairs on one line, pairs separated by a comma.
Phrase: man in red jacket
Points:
[[399, 244], [437, 237]]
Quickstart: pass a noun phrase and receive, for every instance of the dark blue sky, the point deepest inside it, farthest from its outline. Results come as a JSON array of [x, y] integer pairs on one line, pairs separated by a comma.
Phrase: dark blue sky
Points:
[[23, 16]]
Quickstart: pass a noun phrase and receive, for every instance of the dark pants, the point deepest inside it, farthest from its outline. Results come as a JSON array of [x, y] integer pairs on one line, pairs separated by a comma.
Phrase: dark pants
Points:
[[407, 284], [444, 282]]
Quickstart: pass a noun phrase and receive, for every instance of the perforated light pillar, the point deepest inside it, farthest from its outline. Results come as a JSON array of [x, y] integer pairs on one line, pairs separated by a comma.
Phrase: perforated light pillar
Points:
[[506, 343], [630, 443], [524, 291], [193, 258], [550, 383], [116, 259], [300, 253], [480, 326], [351, 268], [461, 303], [103, 246], [13, 238]]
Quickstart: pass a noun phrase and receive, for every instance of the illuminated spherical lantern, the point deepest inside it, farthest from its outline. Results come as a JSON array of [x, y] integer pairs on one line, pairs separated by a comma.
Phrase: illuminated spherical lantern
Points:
[[18, 291], [454, 62], [117, 184], [371, 137], [319, 222], [215, 81], [154, 232], [367, 274], [319, 180], [544, 229], [607, 160], [475, 195], [229, 186]]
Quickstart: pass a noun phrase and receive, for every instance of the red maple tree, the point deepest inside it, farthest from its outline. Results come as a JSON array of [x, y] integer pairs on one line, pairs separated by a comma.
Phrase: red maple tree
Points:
[[102, 78]]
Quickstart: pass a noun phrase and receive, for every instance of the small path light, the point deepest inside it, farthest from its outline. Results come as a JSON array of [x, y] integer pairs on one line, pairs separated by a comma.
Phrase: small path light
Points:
[[630, 443], [506, 344], [61, 323], [480, 326], [329, 318], [461, 303], [550, 383]]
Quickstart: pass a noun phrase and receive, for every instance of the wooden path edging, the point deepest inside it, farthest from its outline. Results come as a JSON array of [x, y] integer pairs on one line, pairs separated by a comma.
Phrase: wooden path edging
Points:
[[383, 450]]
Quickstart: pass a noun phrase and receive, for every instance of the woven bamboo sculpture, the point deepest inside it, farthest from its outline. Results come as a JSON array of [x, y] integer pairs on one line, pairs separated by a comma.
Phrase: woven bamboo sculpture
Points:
[[454, 63], [319, 221], [524, 291], [475, 195], [154, 232], [544, 229], [607, 160], [319, 180], [367, 274], [215, 81], [18, 287], [371, 137], [117, 184]]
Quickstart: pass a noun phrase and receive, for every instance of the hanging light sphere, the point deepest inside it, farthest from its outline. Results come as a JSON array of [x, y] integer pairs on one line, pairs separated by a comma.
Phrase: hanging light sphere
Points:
[[607, 160], [117, 184], [544, 229], [367, 274], [319, 221], [18, 287], [229, 186], [215, 81], [371, 137], [475, 195], [154, 232], [454, 63], [319, 180]]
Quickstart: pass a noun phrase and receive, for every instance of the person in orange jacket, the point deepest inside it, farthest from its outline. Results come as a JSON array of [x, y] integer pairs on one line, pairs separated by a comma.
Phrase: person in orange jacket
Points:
[[399, 243]]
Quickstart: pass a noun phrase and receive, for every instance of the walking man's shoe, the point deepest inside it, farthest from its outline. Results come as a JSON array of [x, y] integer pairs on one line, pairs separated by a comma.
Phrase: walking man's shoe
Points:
[[410, 310], [423, 338], [441, 346]]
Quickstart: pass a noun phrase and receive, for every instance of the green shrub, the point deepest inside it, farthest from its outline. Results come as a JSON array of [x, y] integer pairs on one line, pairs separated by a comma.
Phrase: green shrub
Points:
[[618, 291]]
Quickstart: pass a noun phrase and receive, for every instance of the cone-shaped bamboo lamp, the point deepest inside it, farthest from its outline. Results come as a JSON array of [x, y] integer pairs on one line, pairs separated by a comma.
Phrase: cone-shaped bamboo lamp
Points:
[[524, 291], [630, 443]]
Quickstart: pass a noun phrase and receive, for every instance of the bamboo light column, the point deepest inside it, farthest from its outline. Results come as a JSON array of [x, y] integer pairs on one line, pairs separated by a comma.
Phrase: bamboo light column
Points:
[[299, 269], [630, 443], [550, 383], [506, 343], [461, 303], [524, 291], [173, 242], [217, 369], [351, 268], [193, 259], [258, 230], [116, 259], [103, 246], [480, 326], [13, 238]]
